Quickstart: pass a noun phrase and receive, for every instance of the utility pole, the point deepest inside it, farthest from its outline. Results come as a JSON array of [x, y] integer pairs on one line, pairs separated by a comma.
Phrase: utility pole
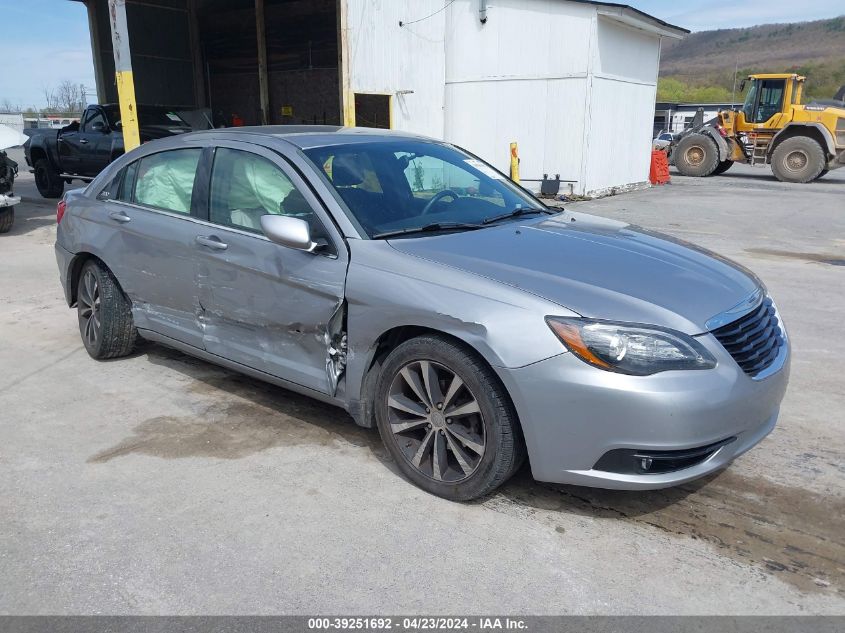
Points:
[[123, 74], [733, 92]]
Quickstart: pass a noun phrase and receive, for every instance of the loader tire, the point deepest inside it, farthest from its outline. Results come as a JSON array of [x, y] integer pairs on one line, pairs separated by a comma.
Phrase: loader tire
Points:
[[798, 159], [722, 167], [696, 155], [823, 174]]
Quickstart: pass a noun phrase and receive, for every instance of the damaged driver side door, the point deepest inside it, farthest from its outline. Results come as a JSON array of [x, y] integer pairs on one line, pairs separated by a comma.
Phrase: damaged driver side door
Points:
[[274, 309]]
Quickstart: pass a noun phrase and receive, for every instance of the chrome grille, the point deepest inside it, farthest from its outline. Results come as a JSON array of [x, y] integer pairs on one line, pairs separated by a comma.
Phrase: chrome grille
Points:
[[754, 339]]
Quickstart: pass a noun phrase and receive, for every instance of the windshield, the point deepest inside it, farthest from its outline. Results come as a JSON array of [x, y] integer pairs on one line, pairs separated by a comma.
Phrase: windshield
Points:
[[398, 185], [147, 116]]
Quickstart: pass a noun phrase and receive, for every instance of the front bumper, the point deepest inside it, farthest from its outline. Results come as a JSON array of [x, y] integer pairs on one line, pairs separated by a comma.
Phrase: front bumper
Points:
[[572, 414]]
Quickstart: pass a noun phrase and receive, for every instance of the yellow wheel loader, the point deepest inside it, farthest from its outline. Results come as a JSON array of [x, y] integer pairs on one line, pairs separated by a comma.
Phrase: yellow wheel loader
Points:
[[800, 142]]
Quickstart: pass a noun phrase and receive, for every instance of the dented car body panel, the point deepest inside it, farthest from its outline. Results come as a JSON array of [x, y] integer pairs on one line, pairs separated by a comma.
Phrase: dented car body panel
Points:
[[316, 321]]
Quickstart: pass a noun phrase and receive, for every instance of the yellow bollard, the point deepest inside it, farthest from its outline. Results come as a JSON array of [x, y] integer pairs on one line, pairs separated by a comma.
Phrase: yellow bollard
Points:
[[514, 163]]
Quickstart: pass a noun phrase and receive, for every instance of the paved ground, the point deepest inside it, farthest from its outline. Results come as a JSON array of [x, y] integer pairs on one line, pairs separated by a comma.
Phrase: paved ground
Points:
[[162, 484]]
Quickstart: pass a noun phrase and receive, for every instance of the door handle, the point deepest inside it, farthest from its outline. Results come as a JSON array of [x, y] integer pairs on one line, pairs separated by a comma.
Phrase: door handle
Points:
[[83, 141], [211, 242], [119, 216]]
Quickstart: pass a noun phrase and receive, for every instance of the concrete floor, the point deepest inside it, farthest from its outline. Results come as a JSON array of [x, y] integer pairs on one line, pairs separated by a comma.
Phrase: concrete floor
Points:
[[159, 484]]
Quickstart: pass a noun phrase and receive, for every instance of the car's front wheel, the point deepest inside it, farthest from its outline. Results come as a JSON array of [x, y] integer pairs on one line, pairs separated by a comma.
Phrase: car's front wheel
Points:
[[105, 314], [446, 419]]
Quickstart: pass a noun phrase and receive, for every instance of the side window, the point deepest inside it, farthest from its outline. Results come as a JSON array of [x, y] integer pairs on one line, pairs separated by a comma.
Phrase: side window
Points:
[[120, 187], [94, 116], [166, 180], [245, 186], [771, 98]]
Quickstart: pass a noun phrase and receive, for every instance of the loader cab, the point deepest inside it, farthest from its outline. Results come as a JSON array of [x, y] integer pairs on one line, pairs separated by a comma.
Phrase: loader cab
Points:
[[768, 97]]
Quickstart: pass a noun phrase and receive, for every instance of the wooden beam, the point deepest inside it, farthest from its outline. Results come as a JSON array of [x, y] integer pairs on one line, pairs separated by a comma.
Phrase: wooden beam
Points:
[[263, 86]]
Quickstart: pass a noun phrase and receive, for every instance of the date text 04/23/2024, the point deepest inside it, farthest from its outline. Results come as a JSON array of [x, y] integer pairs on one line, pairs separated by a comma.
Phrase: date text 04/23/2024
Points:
[[417, 624]]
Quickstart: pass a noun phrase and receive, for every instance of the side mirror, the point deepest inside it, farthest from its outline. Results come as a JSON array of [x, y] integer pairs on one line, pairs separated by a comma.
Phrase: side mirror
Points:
[[290, 232], [98, 126]]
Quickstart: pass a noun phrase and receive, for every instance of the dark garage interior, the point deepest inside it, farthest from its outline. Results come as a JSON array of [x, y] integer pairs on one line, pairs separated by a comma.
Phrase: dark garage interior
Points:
[[192, 54]]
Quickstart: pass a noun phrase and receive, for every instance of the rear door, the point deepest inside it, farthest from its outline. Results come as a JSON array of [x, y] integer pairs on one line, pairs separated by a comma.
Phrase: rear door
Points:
[[271, 308], [152, 217]]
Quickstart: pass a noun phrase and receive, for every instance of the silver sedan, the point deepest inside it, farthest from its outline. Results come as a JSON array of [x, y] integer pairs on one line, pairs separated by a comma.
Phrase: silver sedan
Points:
[[412, 284]]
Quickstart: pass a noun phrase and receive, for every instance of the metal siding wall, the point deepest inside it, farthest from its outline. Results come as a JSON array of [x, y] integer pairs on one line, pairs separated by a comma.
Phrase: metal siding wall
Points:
[[521, 77], [624, 86], [161, 56], [385, 58]]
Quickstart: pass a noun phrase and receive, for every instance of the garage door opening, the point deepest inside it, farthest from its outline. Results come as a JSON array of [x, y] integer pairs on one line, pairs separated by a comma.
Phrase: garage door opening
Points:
[[372, 111], [302, 61]]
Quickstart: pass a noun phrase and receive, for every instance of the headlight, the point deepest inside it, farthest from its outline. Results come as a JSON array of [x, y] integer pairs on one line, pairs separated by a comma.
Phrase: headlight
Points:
[[630, 349]]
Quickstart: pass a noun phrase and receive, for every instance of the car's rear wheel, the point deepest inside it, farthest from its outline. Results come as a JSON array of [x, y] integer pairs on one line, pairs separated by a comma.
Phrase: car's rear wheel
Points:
[[105, 314], [7, 219], [446, 419], [47, 179]]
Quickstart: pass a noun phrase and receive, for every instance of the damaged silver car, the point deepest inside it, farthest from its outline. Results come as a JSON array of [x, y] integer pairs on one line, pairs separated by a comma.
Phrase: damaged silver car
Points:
[[412, 284]]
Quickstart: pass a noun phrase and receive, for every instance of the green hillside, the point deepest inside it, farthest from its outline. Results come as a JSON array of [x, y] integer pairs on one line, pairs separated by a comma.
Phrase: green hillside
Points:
[[700, 67]]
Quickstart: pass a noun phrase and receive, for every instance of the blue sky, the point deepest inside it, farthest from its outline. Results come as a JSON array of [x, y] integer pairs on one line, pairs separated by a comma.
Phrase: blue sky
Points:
[[58, 46], [703, 15]]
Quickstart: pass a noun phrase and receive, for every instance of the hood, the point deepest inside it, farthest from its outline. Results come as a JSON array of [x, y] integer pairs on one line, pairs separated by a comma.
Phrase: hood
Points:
[[598, 268], [150, 132]]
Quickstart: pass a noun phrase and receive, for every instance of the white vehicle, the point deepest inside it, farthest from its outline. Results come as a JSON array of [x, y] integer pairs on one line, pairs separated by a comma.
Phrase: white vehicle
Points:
[[663, 140], [8, 170]]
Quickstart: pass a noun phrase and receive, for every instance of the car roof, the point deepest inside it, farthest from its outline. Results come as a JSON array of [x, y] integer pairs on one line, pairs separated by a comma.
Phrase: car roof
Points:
[[310, 136]]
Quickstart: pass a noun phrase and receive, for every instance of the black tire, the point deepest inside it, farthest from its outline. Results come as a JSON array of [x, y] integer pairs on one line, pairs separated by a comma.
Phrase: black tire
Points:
[[722, 167], [109, 331], [47, 179], [798, 159], [7, 219], [822, 174], [493, 425], [696, 155]]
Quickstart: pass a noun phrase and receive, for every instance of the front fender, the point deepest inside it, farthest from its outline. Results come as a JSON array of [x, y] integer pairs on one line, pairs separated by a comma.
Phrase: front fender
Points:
[[387, 289], [721, 143]]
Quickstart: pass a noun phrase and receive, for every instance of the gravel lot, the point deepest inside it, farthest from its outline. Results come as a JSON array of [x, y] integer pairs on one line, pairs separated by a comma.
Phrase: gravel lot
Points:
[[160, 484]]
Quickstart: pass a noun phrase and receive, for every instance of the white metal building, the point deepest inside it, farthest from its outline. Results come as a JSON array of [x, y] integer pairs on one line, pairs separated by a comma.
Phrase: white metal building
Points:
[[573, 82]]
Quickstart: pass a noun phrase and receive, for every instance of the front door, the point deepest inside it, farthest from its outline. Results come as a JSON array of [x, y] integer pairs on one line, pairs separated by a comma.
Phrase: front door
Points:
[[266, 306], [152, 252], [763, 102]]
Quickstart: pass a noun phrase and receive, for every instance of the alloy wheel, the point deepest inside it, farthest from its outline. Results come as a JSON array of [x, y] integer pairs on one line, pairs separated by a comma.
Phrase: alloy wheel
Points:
[[89, 308], [436, 421]]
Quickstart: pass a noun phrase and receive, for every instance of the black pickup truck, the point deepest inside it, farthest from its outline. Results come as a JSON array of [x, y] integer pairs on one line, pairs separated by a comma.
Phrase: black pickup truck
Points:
[[81, 150]]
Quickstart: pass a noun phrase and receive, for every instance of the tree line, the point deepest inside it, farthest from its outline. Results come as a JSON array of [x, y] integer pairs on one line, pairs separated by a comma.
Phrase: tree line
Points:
[[66, 98]]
